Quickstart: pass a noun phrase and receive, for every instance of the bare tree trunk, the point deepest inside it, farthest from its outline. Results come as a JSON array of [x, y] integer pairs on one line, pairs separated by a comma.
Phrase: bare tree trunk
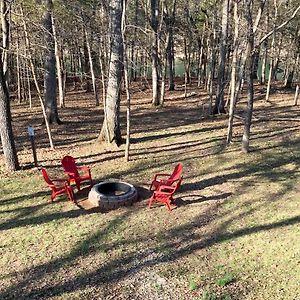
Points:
[[263, 65], [219, 105], [296, 95], [23, 78], [154, 55], [5, 37], [212, 64], [290, 76], [250, 41], [112, 105], [28, 84], [91, 67], [171, 62], [272, 53], [102, 72], [133, 67], [126, 81], [85, 64], [170, 47], [18, 74], [61, 92], [50, 72], [6, 131], [200, 62], [233, 97], [163, 82], [186, 67], [28, 50]]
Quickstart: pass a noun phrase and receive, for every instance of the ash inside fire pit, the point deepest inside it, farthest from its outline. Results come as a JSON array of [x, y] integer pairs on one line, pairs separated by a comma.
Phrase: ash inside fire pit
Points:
[[112, 194], [113, 188]]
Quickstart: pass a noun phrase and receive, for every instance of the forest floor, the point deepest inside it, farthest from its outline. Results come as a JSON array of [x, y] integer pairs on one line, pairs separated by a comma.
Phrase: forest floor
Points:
[[234, 235]]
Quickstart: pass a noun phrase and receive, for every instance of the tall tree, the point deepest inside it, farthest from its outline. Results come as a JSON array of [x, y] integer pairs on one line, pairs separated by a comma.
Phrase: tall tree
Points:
[[170, 21], [154, 54], [5, 36], [249, 73], [110, 131], [6, 131], [219, 105], [50, 62]]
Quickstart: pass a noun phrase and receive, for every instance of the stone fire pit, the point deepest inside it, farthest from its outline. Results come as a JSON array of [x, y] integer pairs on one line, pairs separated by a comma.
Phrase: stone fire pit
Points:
[[112, 194]]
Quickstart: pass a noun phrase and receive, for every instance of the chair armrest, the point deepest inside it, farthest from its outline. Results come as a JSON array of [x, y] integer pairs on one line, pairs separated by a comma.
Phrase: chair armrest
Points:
[[59, 185], [162, 189], [161, 175], [59, 180], [70, 174], [83, 168], [171, 187]]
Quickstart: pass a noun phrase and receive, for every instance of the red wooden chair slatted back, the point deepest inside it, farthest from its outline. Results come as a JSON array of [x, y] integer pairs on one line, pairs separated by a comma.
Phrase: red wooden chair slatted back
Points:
[[72, 171], [58, 186], [69, 165], [176, 173], [166, 179]]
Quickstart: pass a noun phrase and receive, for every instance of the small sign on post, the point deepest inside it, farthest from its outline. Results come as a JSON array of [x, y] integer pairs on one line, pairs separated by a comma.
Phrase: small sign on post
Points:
[[31, 136]]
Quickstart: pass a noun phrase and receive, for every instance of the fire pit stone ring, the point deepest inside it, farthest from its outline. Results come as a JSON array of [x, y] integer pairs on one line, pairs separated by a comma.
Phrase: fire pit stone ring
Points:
[[112, 193]]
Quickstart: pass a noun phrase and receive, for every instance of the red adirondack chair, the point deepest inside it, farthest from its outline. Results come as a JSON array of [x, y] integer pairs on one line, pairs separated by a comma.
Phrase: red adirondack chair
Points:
[[72, 171], [58, 186], [166, 179], [164, 194]]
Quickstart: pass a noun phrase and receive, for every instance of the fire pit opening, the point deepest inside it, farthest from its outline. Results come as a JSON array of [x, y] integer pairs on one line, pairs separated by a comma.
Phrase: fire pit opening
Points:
[[113, 188], [112, 194]]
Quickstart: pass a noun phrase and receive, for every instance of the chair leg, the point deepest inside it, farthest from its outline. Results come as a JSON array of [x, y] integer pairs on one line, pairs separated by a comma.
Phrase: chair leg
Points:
[[78, 185], [70, 193], [52, 196], [150, 201], [168, 205]]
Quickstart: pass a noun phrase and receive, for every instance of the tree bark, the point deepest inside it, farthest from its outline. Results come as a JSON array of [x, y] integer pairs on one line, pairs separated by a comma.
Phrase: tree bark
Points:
[[234, 65], [170, 46], [154, 54], [250, 40], [110, 131], [290, 76], [6, 131], [126, 82], [219, 104], [59, 70], [5, 37], [86, 68], [201, 50], [50, 71], [296, 95], [92, 67], [18, 73]]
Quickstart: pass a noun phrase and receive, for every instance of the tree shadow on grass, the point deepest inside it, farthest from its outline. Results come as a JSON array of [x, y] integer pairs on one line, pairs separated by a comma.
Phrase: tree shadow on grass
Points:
[[181, 201], [19, 199], [178, 242], [38, 220], [173, 134], [114, 270]]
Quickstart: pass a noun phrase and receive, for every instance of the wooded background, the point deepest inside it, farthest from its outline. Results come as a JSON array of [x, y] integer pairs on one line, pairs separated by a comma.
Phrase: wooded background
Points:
[[50, 47]]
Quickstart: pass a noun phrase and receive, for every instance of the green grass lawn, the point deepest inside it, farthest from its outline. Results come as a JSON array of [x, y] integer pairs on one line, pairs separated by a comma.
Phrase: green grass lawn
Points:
[[234, 235]]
